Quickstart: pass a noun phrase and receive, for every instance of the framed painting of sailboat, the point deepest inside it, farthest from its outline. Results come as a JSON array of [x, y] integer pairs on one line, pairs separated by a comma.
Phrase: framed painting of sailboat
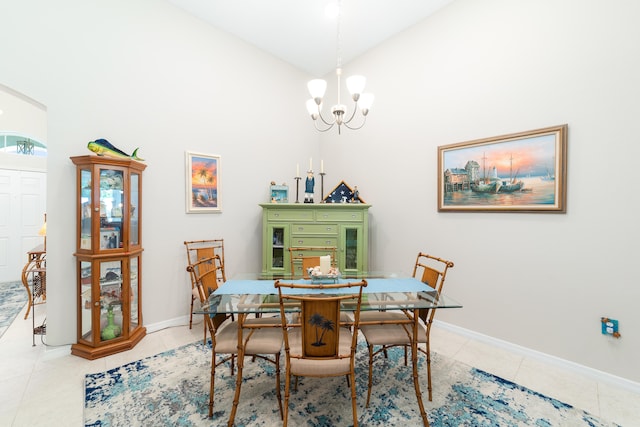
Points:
[[519, 172]]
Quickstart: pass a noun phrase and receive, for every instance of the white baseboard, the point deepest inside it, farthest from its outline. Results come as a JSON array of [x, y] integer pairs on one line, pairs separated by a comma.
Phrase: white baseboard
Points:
[[568, 365]]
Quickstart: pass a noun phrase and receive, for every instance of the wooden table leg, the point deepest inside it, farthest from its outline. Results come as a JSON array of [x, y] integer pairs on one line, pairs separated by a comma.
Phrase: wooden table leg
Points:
[[236, 397], [414, 361]]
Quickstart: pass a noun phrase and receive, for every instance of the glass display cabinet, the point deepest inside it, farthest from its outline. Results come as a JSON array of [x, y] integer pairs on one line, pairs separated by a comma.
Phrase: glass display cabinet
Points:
[[109, 255]]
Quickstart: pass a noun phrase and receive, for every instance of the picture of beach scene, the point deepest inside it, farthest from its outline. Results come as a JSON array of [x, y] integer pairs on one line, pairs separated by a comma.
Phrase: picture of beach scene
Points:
[[203, 177]]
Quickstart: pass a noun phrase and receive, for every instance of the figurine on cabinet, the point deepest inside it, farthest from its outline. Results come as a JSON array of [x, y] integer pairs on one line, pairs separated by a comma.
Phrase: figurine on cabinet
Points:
[[309, 185]]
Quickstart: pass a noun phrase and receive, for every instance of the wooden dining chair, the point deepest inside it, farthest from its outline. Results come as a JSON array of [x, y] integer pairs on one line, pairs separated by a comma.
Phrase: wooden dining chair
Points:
[[302, 258], [226, 339], [204, 249], [384, 330], [316, 344]]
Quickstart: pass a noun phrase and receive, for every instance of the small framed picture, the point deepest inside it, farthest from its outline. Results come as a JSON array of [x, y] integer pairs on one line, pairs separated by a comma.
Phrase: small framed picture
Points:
[[109, 238], [203, 183], [279, 194]]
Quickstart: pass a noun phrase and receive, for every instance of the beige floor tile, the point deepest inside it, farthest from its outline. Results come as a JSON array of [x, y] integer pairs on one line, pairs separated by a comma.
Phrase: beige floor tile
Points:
[[552, 381], [618, 405], [488, 358]]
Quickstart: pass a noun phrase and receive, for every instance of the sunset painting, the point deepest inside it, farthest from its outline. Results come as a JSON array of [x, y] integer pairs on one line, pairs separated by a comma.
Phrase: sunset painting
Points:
[[203, 183], [517, 172]]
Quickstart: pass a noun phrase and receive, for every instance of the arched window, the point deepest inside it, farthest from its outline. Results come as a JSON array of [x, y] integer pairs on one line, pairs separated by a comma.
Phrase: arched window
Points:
[[13, 143]]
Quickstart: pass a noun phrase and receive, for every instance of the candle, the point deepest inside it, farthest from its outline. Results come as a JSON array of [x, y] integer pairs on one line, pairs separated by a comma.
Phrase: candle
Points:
[[297, 169], [325, 264], [310, 164], [321, 166]]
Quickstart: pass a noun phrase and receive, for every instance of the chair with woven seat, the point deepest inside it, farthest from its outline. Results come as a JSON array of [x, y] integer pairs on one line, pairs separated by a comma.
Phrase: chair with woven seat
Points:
[[264, 343], [198, 250], [316, 344], [384, 329]]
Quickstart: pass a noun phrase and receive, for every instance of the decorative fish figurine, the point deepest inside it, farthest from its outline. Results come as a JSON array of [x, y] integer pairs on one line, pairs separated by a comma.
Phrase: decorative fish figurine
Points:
[[102, 147]]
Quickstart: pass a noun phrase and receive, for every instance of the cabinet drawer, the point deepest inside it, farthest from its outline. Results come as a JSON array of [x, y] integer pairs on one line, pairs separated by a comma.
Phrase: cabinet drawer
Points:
[[314, 241], [327, 229], [289, 215], [339, 215]]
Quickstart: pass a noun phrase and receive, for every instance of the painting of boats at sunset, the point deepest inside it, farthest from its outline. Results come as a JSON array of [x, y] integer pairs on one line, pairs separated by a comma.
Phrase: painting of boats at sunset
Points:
[[524, 172], [203, 183]]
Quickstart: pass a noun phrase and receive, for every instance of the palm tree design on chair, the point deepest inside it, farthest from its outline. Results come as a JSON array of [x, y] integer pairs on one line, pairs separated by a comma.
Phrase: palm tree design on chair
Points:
[[320, 322]]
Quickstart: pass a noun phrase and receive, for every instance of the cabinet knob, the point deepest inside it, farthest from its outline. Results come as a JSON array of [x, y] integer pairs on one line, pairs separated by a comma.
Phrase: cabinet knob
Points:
[[96, 304], [96, 209]]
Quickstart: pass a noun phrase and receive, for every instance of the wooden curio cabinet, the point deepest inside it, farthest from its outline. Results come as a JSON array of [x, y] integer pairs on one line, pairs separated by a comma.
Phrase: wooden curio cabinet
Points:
[[109, 255]]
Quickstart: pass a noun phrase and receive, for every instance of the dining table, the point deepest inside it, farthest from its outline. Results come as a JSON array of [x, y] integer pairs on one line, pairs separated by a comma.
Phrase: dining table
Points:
[[255, 294]]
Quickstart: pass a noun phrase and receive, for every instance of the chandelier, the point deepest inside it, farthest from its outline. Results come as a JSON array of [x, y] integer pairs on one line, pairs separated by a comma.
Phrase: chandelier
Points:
[[355, 86]]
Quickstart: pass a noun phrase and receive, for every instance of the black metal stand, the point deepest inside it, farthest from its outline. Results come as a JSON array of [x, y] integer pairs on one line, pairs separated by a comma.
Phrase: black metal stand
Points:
[[322, 174], [297, 178]]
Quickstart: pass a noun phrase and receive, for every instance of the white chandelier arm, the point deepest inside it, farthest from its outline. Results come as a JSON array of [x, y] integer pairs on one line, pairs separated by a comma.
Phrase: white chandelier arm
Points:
[[355, 127], [319, 129]]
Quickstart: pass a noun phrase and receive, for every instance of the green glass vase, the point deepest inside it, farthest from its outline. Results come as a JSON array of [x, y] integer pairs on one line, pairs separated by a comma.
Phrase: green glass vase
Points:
[[112, 330]]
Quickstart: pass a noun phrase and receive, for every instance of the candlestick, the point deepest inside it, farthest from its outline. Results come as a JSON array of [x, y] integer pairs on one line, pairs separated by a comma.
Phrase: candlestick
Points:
[[297, 178], [322, 174], [321, 165]]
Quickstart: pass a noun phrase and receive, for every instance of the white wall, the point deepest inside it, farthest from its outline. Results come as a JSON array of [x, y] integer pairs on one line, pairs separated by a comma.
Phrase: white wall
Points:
[[486, 68], [145, 74]]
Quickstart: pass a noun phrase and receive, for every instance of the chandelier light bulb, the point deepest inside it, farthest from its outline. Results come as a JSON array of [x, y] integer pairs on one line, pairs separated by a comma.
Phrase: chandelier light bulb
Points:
[[355, 84], [366, 99], [317, 88]]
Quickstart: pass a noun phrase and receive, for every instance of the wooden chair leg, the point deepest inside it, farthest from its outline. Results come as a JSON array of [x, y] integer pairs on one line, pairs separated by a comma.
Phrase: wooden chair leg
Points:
[[287, 391], [428, 354], [211, 386], [277, 360], [370, 374], [354, 406], [191, 312]]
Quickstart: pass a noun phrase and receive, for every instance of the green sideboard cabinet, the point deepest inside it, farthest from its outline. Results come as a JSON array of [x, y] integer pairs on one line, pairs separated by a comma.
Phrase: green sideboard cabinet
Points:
[[343, 225]]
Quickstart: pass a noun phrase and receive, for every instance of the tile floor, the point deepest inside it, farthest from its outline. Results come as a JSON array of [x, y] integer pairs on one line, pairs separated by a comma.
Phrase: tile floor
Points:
[[39, 387]]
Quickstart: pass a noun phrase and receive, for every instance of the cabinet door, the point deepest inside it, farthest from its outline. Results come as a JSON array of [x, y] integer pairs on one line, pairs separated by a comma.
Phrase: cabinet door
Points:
[[277, 247], [86, 210], [111, 206], [112, 317], [135, 309], [352, 249], [135, 188]]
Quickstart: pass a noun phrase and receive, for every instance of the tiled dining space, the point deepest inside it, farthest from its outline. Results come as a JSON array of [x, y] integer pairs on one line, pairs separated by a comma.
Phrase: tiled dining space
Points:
[[43, 386]]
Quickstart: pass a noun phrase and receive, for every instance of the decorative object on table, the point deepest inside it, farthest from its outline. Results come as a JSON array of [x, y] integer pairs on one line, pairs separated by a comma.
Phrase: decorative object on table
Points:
[[171, 388], [297, 178], [203, 183], [343, 193], [520, 172], [108, 255], [309, 185], [279, 193], [355, 85], [102, 147]]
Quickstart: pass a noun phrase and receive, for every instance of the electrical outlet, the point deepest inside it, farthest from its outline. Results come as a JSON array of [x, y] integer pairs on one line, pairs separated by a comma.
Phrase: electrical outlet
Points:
[[609, 327]]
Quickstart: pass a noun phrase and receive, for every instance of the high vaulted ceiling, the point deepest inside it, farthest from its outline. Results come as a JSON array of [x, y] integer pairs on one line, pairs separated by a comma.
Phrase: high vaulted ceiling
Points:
[[298, 32]]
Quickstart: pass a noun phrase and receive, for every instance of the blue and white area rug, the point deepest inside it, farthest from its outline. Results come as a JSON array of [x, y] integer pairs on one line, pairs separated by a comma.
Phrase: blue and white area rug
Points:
[[13, 297], [172, 389]]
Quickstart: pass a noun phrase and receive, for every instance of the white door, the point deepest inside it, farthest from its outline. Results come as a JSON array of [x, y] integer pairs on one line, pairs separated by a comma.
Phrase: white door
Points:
[[22, 206]]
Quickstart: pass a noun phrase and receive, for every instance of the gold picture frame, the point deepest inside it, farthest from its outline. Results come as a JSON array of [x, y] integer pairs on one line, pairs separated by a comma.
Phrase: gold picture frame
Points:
[[519, 172]]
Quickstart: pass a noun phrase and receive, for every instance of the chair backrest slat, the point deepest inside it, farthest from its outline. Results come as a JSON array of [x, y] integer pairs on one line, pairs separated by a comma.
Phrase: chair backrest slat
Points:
[[431, 270], [319, 321]]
